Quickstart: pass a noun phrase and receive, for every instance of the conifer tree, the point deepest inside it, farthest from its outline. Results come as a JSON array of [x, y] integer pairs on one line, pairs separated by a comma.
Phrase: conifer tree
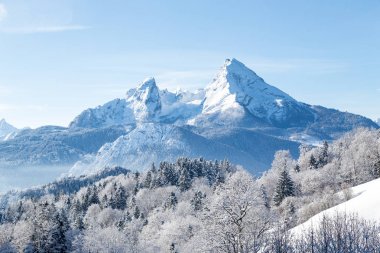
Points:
[[197, 201], [284, 188], [264, 196], [148, 180], [297, 168], [313, 164], [323, 155], [171, 201], [377, 169], [136, 212], [184, 180], [119, 201]]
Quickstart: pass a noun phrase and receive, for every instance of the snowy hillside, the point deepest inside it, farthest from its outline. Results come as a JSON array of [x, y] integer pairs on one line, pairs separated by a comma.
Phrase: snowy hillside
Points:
[[51, 145], [151, 143], [363, 201], [6, 130]]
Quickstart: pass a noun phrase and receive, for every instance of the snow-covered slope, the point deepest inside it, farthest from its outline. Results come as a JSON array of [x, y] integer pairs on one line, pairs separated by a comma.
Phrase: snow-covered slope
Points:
[[52, 145], [364, 202], [152, 143], [6, 130]]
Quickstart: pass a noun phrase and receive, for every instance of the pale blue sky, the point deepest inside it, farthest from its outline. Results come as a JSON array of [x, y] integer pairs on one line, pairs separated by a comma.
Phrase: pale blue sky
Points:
[[58, 58]]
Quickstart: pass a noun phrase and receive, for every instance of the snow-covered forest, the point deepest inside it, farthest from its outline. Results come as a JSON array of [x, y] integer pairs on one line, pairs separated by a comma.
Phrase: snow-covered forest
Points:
[[195, 205]]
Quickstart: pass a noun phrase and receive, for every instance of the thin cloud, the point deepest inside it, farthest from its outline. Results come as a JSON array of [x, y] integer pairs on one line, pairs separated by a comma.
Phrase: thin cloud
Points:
[[45, 29], [3, 12]]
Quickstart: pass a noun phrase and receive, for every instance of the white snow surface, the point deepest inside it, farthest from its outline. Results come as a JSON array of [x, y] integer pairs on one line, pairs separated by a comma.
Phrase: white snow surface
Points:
[[365, 203]]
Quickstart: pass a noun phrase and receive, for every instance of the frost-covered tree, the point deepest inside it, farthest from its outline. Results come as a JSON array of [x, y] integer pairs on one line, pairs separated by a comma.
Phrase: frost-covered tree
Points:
[[237, 219], [323, 155], [172, 201], [284, 188], [184, 182], [148, 180], [198, 201]]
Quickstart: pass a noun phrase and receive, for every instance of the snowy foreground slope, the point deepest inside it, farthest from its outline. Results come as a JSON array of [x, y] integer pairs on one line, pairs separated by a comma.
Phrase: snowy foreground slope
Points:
[[364, 202]]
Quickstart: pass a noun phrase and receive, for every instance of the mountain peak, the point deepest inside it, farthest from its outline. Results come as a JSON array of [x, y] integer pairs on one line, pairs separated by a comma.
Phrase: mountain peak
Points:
[[5, 124], [237, 90], [6, 128], [148, 83], [233, 66], [146, 100]]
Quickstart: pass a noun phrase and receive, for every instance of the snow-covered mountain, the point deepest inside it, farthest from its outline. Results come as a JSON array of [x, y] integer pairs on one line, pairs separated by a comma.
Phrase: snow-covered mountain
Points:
[[236, 97], [146, 103], [6, 130], [238, 116], [378, 121], [238, 93]]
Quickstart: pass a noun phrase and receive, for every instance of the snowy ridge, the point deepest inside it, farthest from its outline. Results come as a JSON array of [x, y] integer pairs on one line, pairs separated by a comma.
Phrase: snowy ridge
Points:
[[146, 103], [236, 97]]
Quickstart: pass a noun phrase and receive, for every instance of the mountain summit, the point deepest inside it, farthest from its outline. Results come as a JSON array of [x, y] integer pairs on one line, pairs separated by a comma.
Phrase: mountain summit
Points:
[[145, 100], [237, 90], [6, 129]]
